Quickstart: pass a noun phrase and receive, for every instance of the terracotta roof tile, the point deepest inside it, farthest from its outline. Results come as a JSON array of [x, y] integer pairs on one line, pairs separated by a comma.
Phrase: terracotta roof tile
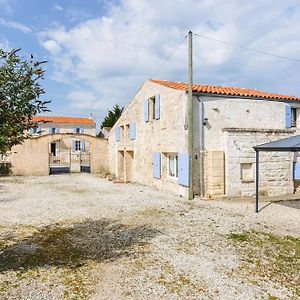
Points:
[[69, 120], [222, 90]]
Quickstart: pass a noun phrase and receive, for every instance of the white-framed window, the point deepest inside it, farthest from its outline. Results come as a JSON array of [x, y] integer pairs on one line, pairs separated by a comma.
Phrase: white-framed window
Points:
[[77, 146], [247, 172], [77, 130], [172, 165]]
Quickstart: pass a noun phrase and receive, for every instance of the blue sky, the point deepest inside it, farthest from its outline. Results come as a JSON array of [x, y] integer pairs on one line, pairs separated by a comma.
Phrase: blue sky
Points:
[[100, 52]]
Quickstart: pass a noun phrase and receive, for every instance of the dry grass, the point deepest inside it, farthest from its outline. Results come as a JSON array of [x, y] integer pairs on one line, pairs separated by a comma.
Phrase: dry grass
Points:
[[271, 257]]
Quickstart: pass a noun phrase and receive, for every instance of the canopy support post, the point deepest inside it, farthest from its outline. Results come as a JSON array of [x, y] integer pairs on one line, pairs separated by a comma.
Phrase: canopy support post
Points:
[[257, 181]]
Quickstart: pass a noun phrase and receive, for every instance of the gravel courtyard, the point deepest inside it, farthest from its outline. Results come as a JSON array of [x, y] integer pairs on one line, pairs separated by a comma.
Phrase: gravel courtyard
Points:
[[83, 237]]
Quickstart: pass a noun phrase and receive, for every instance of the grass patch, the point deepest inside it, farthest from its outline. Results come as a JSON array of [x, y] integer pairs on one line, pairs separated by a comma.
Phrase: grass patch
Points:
[[271, 257], [179, 283], [154, 212]]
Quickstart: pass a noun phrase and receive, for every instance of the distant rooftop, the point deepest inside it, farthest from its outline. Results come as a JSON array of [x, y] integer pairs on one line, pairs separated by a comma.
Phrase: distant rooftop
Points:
[[222, 90], [70, 120]]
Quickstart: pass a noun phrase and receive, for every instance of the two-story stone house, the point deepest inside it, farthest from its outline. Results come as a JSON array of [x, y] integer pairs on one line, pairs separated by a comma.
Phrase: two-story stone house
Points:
[[52, 125], [148, 144]]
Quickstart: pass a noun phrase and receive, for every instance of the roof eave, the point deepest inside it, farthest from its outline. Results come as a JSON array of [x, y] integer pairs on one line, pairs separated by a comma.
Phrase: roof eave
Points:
[[243, 97]]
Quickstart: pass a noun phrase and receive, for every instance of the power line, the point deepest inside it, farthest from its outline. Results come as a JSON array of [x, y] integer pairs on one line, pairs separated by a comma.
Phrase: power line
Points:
[[168, 57], [246, 48]]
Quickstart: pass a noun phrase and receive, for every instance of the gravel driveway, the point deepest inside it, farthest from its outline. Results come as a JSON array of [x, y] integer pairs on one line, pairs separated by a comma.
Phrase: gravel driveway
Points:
[[83, 237]]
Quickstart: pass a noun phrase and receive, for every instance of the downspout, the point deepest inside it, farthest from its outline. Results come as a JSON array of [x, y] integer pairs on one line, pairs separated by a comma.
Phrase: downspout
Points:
[[202, 191]]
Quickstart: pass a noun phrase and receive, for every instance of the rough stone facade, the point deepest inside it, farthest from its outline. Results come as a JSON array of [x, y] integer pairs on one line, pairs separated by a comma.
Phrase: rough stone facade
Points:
[[165, 135]]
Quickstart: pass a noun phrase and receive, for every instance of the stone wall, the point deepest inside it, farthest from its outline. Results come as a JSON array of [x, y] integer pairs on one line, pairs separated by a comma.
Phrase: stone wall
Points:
[[165, 135], [239, 113], [275, 167]]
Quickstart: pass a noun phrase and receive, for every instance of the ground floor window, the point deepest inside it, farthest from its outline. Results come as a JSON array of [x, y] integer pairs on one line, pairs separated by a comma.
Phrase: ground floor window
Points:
[[172, 171], [247, 172]]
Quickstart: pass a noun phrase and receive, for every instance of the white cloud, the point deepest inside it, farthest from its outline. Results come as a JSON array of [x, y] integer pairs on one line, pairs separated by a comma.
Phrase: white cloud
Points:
[[58, 7], [52, 46], [15, 25], [82, 99], [110, 57]]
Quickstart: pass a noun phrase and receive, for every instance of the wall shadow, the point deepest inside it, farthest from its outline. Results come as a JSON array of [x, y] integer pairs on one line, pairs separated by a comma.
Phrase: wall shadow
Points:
[[73, 245]]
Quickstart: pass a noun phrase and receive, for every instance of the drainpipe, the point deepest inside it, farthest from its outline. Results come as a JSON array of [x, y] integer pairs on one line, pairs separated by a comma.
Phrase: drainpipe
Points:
[[202, 192]]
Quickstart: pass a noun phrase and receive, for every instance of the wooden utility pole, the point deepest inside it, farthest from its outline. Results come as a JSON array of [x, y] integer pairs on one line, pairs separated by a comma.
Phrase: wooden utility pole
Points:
[[190, 114]]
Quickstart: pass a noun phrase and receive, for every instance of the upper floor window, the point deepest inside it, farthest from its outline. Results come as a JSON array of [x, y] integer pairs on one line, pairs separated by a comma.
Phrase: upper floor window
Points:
[[53, 130], [77, 130], [294, 117], [152, 108]]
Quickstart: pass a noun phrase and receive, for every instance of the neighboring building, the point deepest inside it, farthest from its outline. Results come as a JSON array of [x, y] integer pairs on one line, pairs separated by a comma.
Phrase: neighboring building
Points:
[[59, 145], [148, 144], [52, 125]]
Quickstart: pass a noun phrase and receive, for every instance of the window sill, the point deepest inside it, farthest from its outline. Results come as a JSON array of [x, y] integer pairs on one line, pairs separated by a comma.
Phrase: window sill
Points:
[[172, 179], [247, 180]]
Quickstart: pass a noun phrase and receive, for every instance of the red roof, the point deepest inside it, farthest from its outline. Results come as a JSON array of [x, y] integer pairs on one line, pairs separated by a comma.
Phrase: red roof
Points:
[[69, 120], [222, 90]]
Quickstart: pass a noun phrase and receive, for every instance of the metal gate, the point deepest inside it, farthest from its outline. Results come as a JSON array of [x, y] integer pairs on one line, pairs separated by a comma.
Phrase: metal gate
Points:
[[70, 162]]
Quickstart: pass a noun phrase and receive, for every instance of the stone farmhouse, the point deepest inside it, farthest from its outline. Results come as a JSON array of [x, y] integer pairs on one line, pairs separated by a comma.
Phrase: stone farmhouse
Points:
[[148, 144]]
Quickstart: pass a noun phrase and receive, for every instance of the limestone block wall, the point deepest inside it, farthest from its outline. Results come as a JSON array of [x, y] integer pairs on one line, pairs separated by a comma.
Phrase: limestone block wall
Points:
[[165, 135], [239, 113], [275, 167]]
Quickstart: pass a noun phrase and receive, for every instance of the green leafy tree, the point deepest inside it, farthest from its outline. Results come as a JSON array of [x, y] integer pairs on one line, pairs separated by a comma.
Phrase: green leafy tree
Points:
[[112, 116], [20, 93]]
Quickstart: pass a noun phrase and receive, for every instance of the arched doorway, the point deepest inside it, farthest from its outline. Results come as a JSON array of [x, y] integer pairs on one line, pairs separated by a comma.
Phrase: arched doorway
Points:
[[69, 155]]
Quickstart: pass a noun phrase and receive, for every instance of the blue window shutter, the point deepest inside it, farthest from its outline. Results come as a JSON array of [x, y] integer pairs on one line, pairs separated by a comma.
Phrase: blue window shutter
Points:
[[296, 171], [73, 145], [288, 116], [74, 130], [82, 146], [39, 130], [50, 130], [132, 132], [118, 134], [183, 169], [30, 130], [156, 165], [81, 130], [57, 130], [146, 110], [157, 107]]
